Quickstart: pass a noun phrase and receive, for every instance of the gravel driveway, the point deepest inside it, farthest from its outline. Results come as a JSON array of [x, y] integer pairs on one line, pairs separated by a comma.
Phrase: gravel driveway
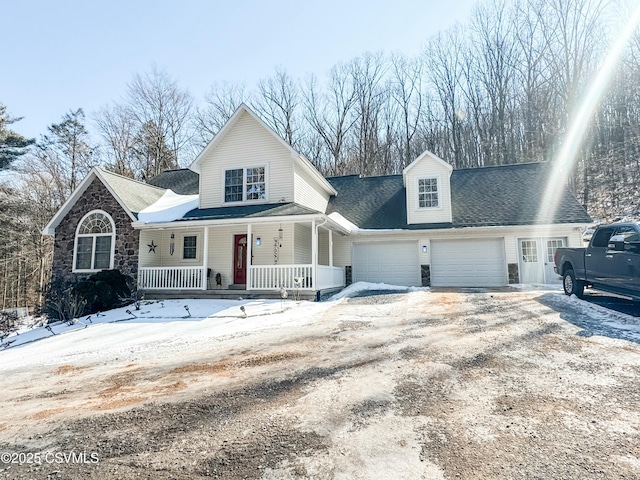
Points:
[[424, 385]]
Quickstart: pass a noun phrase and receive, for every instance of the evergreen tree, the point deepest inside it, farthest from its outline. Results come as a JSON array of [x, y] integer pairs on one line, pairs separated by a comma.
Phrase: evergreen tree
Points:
[[12, 144]]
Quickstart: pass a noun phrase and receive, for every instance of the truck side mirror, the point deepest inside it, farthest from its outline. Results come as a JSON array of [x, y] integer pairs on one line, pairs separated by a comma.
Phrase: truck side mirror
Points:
[[616, 242]]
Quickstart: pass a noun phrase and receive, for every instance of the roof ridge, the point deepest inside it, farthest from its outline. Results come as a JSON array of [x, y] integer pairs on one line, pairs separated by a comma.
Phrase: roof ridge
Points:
[[487, 167], [103, 171]]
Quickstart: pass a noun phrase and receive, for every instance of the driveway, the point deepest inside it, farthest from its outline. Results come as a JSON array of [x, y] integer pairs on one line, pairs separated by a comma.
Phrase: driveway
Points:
[[421, 385]]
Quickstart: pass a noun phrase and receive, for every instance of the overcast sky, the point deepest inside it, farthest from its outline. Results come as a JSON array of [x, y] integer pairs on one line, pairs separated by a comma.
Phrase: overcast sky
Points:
[[62, 55]]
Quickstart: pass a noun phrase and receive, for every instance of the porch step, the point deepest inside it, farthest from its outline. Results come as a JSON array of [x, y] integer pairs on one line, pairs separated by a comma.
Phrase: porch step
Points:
[[225, 294], [238, 286]]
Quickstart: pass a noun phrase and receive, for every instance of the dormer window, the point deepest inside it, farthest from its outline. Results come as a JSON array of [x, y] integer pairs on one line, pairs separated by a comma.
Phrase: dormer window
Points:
[[244, 184], [428, 193]]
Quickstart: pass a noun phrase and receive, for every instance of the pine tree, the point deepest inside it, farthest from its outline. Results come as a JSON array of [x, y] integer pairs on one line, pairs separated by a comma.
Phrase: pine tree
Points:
[[12, 144]]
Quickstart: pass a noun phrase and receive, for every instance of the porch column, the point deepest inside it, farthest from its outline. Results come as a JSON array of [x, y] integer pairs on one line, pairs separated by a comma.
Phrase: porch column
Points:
[[331, 248], [249, 247], [314, 254], [205, 259]]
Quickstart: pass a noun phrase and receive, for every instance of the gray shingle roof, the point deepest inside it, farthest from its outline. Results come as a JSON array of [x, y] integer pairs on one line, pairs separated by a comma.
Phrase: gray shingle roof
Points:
[[491, 196], [135, 195], [182, 181], [248, 211]]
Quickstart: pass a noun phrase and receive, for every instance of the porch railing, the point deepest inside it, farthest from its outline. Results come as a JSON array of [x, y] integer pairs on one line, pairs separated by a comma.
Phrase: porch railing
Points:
[[272, 277], [329, 277], [179, 278]]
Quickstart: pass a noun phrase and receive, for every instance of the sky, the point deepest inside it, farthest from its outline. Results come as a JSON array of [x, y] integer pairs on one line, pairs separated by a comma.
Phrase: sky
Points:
[[63, 55]]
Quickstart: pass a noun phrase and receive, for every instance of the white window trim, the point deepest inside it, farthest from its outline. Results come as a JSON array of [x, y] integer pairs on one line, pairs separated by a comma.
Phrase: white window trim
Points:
[[438, 191], [244, 185], [93, 247], [198, 259]]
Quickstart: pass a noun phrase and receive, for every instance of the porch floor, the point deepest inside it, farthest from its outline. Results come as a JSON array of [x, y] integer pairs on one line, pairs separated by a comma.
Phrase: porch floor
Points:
[[230, 294]]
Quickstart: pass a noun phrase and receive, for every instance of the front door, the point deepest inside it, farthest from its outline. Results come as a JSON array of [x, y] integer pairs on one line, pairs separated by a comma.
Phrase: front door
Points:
[[240, 259], [532, 266]]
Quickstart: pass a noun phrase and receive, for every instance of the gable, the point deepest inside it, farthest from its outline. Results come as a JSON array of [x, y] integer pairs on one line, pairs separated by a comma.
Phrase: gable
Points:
[[432, 207], [130, 194], [246, 145]]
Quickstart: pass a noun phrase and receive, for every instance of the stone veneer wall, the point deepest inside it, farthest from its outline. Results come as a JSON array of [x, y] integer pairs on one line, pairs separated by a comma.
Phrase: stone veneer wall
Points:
[[514, 273], [425, 273], [95, 197]]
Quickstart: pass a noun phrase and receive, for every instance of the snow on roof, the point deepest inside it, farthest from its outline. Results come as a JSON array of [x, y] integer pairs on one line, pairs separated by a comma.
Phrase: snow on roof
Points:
[[169, 207], [343, 222]]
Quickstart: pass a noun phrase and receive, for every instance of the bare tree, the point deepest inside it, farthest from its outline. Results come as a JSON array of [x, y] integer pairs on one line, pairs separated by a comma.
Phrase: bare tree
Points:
[[277, 102], [118, 130], [406, 90], [443, 57], [331, 115], [221, 101]]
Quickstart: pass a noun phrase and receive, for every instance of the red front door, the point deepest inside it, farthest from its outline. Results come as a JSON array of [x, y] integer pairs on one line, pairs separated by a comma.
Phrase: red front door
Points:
[[240, 259]]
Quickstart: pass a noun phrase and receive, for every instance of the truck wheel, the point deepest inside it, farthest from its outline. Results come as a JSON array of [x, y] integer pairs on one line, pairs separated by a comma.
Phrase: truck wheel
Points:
[[571, 285]]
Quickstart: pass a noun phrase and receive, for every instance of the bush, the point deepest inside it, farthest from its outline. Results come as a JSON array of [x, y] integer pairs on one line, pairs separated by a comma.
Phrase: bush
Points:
[[103, 290]]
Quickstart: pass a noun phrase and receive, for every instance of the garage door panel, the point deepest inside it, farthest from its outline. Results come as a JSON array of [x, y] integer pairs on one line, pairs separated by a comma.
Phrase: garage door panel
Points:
[[468, 263], [395, 263]]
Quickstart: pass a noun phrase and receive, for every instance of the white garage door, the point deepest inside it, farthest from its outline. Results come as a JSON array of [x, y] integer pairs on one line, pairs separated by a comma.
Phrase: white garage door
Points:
[[395, 263], [468, 263]]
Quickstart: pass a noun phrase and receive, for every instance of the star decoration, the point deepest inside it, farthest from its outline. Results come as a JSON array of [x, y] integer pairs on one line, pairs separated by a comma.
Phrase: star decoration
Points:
[[152, 247]]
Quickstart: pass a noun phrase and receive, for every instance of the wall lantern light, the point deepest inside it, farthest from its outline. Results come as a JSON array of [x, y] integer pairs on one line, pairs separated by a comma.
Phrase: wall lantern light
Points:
[[424, 249], [258, 241]]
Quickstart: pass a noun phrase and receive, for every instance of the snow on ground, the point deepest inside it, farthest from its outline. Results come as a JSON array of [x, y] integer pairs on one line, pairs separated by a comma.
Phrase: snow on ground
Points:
[[161, 326]]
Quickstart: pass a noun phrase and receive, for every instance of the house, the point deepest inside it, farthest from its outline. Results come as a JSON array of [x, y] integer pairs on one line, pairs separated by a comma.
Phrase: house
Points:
[[253, 214]]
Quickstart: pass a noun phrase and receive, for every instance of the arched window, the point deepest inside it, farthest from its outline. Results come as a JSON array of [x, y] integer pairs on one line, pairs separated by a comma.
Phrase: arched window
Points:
[[95, 240]]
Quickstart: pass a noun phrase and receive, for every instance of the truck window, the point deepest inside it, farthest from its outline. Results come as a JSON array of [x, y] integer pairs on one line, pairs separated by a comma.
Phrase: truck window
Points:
[[601, 238]]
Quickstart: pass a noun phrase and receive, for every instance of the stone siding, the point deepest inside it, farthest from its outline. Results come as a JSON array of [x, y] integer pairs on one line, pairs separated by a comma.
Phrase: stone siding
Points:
[[514, 273], [95, 197], [425, 272]]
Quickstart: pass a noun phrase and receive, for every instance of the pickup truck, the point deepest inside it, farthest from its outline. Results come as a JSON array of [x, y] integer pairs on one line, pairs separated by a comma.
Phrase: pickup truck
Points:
[[610, 263]]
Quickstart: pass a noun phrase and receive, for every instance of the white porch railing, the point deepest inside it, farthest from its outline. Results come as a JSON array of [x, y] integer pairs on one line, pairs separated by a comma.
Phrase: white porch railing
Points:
[[329, 277], [178, 278], [272, 277]]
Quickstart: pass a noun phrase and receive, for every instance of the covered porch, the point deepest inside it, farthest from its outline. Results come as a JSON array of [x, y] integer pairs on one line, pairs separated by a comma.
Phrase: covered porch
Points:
[[258, 257]]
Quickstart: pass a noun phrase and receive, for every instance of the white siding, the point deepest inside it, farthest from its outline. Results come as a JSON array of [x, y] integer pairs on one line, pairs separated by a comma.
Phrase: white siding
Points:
[[428, 168], [247, 144], [341, 250], [342, 244], [302, 244], [147, 258], [163, 257], [323, 247], [308, 192]]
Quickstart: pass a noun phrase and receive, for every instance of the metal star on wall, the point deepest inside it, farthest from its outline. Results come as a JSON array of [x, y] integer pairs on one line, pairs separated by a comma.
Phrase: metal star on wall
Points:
[[152, 247]]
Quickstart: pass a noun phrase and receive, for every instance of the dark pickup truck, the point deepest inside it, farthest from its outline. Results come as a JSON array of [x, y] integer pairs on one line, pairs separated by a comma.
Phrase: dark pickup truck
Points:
[[610, 263]]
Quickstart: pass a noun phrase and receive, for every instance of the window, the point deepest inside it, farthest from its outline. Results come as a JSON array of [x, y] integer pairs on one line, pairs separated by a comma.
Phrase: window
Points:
[[189, 247], [244, 184], [602, 238], [233, 185], [94, 242], [529, 251], [428, 193], [552, 246]]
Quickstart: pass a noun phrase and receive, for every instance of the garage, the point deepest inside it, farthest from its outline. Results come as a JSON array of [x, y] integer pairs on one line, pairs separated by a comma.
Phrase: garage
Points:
[[395, 263], [468, 263]]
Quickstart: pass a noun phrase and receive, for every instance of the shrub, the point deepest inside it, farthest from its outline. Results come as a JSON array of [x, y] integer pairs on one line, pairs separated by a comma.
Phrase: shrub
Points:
[[103, 290]]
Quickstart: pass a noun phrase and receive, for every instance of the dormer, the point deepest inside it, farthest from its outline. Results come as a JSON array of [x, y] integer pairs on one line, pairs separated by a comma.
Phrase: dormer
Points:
[[248, 163], [428, 190]]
